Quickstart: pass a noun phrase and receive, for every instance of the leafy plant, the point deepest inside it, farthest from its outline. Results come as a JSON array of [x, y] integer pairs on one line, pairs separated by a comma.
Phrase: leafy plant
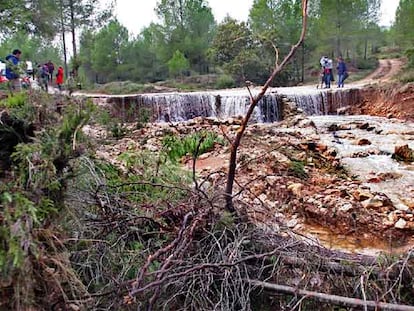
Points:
[[18, 100], [297, 169], [194, 144], [145, 170], [225, 81]]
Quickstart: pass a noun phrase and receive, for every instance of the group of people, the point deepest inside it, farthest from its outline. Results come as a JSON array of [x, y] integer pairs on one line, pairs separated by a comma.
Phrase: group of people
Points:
[[327, 71], [17, 75], [45, 75]]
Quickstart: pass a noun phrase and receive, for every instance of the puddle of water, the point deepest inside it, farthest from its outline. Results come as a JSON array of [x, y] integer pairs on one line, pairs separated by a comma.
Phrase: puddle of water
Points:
[[361, 244]]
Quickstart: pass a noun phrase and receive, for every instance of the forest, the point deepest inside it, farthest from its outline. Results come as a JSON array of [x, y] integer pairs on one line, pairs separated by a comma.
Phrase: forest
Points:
[[102, 208]]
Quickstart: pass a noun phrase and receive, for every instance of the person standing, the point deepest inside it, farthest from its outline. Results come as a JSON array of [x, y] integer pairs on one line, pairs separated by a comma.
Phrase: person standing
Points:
[[51, 68], [324, 63], [342, 71], [12, 69], [43, 76], [59, 78]]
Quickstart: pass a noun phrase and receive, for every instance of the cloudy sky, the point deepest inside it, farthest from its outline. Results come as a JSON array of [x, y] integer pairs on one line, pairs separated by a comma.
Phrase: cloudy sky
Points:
[[140, 13]]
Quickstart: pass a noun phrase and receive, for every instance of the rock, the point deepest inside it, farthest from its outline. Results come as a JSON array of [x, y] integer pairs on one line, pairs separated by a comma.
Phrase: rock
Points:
[[296, 189], [343, 110], [346, 207], [373, 203], [403, 153], [361, 195], [292, 223], [363, 126], [363, 142], [400, 224], [402, 207]]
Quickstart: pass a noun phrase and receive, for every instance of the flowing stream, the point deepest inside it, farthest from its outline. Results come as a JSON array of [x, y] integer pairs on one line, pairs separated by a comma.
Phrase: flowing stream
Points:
[[364, 144], [177, 106]]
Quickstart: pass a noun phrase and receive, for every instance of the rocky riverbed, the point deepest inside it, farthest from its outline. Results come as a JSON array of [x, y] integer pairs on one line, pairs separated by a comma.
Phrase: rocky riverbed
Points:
[[331, 180]]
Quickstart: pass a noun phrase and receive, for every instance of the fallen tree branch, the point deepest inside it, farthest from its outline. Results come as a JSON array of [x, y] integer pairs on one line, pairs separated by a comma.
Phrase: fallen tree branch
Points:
[[335, 299]]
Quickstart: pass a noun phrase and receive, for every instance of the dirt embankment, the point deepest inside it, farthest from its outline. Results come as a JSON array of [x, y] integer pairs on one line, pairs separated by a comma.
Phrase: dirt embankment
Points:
[[383, 96], [392, 100]]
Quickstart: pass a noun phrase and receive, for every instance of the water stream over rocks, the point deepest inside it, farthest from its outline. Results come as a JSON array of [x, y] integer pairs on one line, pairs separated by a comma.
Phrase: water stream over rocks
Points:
[[364, 145], [176, 107]]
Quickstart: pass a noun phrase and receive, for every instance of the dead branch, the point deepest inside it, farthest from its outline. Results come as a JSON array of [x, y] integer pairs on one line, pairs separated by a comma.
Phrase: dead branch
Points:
[[253, 103], [161, 251], [335, 299]]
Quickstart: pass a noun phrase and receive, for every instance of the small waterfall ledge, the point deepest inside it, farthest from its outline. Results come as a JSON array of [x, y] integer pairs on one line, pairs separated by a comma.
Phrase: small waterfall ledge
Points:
[[222, 104]]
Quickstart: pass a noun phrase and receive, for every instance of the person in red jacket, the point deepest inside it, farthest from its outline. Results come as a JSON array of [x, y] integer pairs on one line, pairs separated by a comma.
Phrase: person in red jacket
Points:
[[59, 78]]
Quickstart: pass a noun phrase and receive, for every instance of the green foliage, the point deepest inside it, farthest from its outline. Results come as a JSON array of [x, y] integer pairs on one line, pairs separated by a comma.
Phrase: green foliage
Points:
[[75, 117], [187, 26], [178, 64], [404, 24], [18, 100], [194, 144], [225, 81], [144, 117], [363, 64], [124, 87], [297, 169], [231, 39], [18, 215], [28, 16], [144, 170], [107, 51], [407, 76], [409, 53], [117, 129]]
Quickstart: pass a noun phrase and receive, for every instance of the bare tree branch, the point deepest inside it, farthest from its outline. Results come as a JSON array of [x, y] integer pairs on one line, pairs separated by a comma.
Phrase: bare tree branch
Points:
[[253, 103], [339, 300]]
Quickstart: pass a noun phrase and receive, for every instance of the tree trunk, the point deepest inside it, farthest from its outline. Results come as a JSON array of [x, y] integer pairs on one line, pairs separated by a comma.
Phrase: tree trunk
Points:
[[72, 29], [65, 57]]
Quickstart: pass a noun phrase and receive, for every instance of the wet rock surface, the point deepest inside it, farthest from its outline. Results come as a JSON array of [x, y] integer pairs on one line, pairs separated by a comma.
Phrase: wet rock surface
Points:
[[331, 179]]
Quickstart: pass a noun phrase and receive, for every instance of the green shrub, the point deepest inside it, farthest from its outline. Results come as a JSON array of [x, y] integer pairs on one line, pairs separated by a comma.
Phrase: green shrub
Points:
[[225, 81], [407, 75], [16, 101], [124, 87], [370, 63], [146, 170], [410, 57], [297, 169], [177, 147]]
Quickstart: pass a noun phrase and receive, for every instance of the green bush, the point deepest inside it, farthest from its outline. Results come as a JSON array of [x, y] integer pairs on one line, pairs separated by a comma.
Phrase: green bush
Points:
[[177, 147], [225, 82], [124, 87], [297, 169], [369, 63], [407, 75], [16, 101], [146, 170], [410, 57]]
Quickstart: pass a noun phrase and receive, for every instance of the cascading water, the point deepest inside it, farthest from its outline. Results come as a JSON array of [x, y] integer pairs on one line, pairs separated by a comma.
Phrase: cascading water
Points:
[[175, 107]]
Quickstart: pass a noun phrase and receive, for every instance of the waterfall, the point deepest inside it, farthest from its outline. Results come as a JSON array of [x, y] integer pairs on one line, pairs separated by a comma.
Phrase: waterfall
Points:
[[175, 107]]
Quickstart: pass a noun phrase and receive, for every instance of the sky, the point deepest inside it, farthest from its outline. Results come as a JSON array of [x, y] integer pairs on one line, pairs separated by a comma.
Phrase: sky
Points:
[[137, 14]]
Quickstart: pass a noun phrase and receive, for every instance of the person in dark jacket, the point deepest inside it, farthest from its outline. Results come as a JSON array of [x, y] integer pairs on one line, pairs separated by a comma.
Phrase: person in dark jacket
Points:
[[342, 71], [12, 69], [51, 68]]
